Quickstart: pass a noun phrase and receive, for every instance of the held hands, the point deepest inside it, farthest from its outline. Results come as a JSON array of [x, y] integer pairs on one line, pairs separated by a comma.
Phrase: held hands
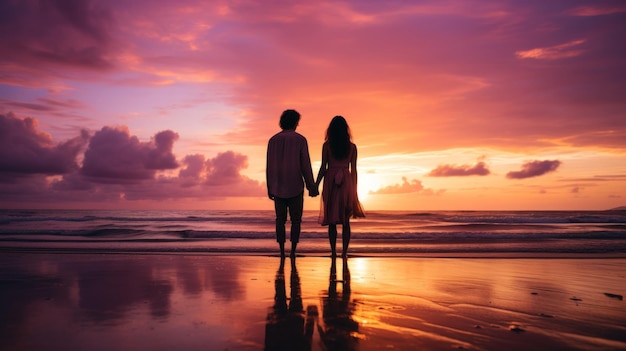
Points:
[[314, 192]]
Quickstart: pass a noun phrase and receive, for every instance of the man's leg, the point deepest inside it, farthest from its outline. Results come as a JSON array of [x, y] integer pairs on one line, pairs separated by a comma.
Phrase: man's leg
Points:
[[280, 206], [296, 205]]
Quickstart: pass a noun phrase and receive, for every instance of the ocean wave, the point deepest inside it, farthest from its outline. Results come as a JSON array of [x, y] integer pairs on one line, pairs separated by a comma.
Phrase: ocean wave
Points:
[[9, 219], [256, 217], [384, 230], [530, 219], [125, 234]]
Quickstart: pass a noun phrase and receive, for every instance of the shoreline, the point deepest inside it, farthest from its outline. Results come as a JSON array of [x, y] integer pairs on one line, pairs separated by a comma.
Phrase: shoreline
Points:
[[157, 301], [265, 253]]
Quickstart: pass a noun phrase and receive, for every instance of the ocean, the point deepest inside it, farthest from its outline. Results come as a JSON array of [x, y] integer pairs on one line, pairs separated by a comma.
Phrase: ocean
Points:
[[380, 233]]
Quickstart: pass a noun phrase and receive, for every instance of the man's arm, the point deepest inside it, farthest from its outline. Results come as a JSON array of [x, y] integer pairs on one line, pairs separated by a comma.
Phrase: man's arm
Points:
[[307, 171], [268, 176]]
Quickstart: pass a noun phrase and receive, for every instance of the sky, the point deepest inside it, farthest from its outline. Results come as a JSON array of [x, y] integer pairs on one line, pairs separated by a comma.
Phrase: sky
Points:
[[453, 105]]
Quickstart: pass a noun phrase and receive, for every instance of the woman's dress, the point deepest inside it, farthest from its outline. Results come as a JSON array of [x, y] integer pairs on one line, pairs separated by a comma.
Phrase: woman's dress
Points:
[[340, 200]]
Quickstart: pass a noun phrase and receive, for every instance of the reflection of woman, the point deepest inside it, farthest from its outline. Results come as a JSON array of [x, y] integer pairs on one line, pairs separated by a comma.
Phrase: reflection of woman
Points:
[[339, 330], [285, 328], [339, 196]]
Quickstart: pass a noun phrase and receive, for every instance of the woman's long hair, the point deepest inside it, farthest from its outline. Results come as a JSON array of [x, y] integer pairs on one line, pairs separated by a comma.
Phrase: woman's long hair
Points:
[[338, 137]]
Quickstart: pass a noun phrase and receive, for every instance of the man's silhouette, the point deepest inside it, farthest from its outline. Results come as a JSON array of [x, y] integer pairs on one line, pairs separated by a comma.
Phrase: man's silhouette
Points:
[[288, 169]]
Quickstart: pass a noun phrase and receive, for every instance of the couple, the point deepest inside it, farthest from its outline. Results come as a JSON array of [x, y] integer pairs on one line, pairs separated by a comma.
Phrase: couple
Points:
[[289, 169]]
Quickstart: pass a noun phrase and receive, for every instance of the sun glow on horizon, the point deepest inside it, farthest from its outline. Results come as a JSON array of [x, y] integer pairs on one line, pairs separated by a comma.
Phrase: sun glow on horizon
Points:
[[367, 183], [446, 114]]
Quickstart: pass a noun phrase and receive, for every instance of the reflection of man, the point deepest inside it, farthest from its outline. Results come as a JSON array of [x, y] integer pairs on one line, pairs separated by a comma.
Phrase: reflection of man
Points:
[[288, 163], [285, 329], [339, 328]]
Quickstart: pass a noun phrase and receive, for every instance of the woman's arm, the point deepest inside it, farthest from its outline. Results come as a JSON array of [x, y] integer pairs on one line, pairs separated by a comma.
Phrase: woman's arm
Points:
[[353, 167], [324, 166]]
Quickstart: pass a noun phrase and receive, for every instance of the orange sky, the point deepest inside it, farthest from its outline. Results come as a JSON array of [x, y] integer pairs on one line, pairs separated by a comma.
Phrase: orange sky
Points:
[[453, 106]]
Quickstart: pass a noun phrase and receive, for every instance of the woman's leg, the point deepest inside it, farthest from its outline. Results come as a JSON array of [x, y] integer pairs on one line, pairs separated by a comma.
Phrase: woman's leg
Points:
[[345, 236], [332, 237]]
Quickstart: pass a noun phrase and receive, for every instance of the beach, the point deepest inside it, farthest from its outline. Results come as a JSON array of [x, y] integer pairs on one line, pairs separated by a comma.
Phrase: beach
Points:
[[192, 301]]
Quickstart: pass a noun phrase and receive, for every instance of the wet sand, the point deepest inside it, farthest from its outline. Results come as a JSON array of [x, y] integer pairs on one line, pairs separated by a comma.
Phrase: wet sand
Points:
[[78, 301]]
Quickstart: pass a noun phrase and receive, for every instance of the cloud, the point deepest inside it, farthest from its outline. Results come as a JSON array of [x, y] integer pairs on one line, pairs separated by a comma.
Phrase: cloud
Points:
[[465, 170], [26, 150], [566, 50], [39, 37], [219, 176], [414, 186], [48, 105], [198, 178], [113, 155], [161, 156], [193, 170], [99, 60], [598, 178], [225, 168], [116, 167], [534, 169], [599, 10]]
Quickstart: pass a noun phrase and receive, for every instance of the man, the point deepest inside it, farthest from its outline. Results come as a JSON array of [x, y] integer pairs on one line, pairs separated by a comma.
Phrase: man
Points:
[[288, 169]]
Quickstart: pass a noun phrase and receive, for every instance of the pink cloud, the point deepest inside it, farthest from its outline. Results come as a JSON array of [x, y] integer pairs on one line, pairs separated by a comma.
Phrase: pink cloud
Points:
[[479, 169], [534, 169], [413, 186], [225, 168], [25, 150], [566, 50], [219, 175], [336, 60]]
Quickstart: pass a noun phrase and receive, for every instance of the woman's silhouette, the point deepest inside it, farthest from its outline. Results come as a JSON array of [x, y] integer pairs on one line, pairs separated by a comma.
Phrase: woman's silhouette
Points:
[[339, 196], [339, 328]]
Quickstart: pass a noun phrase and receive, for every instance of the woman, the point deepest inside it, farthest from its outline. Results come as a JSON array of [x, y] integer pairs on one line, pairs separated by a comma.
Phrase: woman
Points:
[[339, 196]]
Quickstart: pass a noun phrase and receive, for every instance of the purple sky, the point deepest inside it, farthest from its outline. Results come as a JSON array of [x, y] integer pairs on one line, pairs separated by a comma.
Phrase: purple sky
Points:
[[150, 104]]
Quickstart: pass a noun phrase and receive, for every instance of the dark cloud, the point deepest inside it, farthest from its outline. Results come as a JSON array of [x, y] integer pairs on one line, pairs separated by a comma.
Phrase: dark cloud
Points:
[[71, 111], [193, 167], [200, 178], [25, 150], [465, 170], [161, 157], [114, 156], [84, 15], [116, 167], [20, 105], [534, 169], [65, 32]]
